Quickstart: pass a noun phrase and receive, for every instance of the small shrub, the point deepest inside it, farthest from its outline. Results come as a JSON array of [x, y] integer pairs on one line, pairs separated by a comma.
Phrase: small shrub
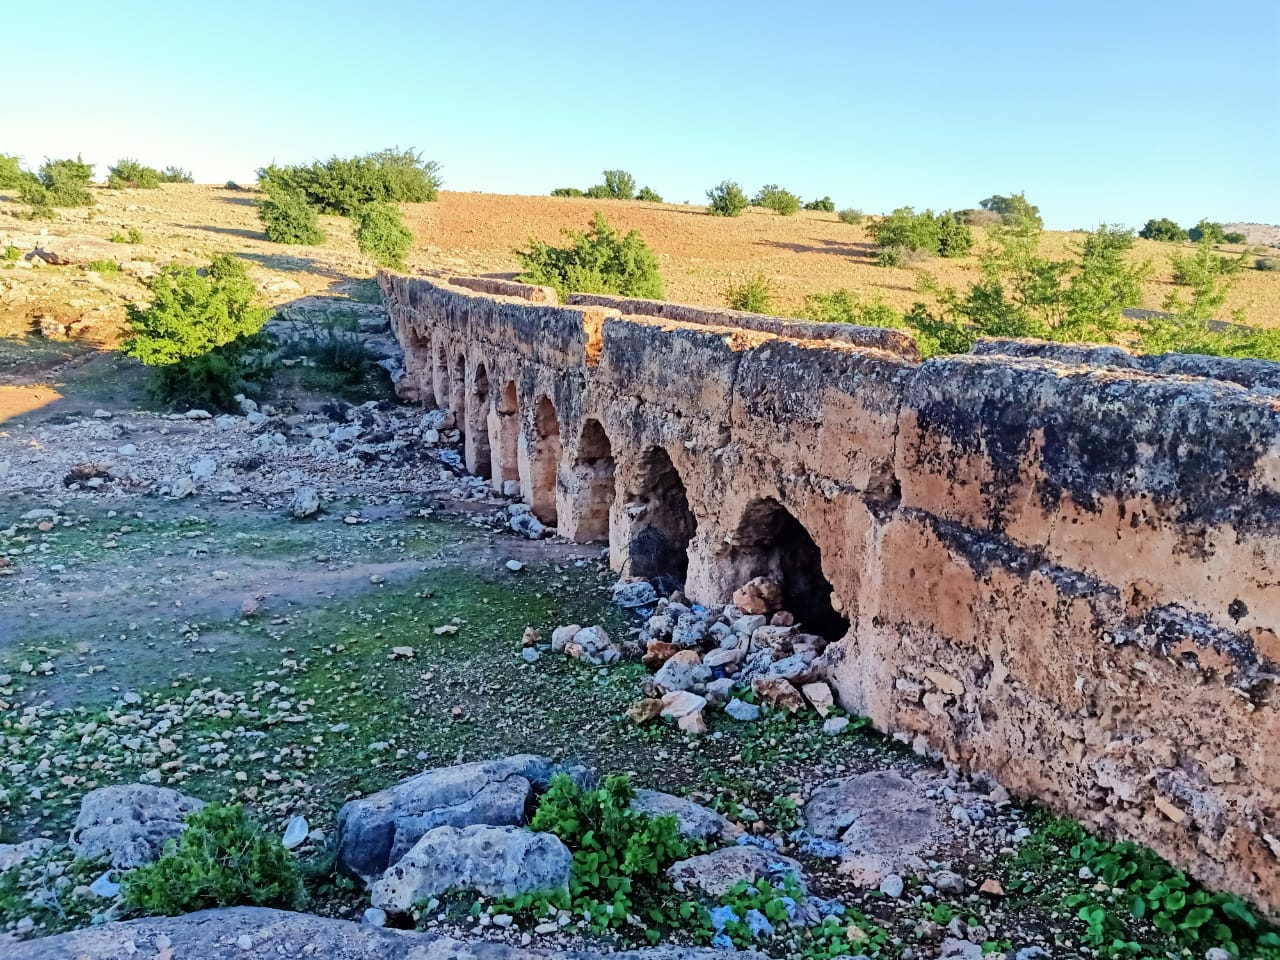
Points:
[[726, 200], [11, 252], [197, 331], [851, 216], [567, 192], [1235, 236], [845, 306], [132, 174], [232, 185], [891, 257], [133, 236], [954, 236], [106, 267], [344, 186], [381, 233], [1014, 210], [176, 175], [288, 218], [1164, 229], [11, 173], [1266, 263], [221, 859], [753, 296], [826, 204], [1207, 230], [775, 198], [905, 234], [60, 183], [598, 261], [649, 195]]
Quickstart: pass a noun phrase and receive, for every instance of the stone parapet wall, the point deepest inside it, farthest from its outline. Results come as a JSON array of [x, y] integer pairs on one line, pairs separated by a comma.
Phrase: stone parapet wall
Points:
[[1059, 567]]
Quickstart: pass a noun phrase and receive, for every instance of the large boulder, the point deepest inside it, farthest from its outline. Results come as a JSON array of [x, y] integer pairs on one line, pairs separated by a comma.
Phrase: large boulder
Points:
[[258, 933], [715, 873], [13, 854], [693, 821], [129, 823], [491, 861], [883, 820], [376, 831]]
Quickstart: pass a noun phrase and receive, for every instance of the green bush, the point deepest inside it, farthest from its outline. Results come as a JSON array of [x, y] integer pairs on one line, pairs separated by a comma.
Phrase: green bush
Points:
[[176, 175], [567, 192], [618, 185], [131, 173], [775, 198], [381, 233], [851, 216], [1014, 210], [754, 295], [1266, 263], [649, 195], [10, 252], [726, 199], [891, 257], [1206, 230], [1163, 229], [60, 183], [107, 267], [598, 261], [845, 306], [288, 218], [954, 237], [11, 172], [1235, 236], [343, 186], [197, 332], [221, 859], [826, 204], [904, 231], [133, 236]]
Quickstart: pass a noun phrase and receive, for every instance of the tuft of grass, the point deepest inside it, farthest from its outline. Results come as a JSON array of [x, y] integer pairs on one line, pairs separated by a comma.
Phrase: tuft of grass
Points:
[[104, 267]]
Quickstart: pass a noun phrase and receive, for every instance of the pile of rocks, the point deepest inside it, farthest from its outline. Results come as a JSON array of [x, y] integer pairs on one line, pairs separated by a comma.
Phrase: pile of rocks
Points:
[[703, 655]]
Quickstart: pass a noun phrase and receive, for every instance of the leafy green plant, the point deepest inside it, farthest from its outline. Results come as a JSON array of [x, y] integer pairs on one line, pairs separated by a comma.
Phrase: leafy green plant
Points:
[[60, 183], [567, 192], [851, 216], [131, 173], [133, 236], [1164, 229], [648, 195], [1235, 236], [849, 934], [753, 296], [826, 204], [11, 172], [726, 199], [618, 185], [343, 186], [1140, 906], [905, 232], [777, 199], [197, 331], [288, 218], [845, 306], [382, 234], [176, 175], [221, 859], [1014, 210], [1209, 231], [11, 252], [107, 267], [598, 261]]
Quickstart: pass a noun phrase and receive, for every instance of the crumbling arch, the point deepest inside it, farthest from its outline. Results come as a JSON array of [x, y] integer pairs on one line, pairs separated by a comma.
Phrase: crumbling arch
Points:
[[440, 374], [662, 523], [506, 450], [544, 461], [770, 542], [478, 456], [594, 485], [458, 392]]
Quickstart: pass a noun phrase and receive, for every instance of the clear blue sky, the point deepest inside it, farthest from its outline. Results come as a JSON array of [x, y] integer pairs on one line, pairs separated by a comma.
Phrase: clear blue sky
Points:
[[1101, 111]]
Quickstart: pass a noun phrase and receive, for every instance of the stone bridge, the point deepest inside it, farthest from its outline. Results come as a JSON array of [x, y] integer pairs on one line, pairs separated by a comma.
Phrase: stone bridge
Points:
[[1056, 566]]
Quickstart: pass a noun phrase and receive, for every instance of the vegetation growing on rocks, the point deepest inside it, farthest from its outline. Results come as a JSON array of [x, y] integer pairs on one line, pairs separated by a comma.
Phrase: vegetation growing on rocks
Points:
[[597, 261]]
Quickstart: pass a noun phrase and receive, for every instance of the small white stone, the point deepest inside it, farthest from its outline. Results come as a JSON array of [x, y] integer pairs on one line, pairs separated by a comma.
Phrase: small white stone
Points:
[[515, 566], [244, 941]]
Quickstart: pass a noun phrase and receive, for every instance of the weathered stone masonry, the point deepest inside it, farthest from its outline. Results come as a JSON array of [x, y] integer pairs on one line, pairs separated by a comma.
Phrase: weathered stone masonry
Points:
[[1056, 566]]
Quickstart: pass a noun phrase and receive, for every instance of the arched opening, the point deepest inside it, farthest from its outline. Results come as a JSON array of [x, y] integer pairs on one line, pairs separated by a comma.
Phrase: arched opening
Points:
[[663, 524], [458, 392], [770, 542], [477, 430], [507, 463], [593, 476], [418, 365], [545, 461]]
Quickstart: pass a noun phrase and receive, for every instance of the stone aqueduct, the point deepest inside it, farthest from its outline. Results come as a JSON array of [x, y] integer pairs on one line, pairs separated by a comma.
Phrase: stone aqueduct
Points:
[[1059, 567]]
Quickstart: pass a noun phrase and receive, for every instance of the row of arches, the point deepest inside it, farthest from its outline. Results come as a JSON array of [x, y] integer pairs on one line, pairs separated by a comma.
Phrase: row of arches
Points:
[[651, 503]]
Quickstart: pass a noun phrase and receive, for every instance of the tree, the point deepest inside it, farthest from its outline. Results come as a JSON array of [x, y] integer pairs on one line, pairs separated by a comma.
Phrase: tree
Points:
[[726, 200], [1164, 229], [618, 185], [775, 198], [1014, 209], [1207, 230], [826, 204], [598, 261], [648, 195]]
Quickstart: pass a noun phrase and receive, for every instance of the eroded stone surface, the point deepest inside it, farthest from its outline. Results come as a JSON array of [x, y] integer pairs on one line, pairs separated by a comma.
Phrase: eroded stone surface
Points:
[[129, 823], [714, 873]]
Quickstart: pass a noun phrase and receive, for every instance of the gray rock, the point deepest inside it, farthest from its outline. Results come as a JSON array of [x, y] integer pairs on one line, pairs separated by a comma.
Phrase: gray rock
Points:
[[526, 524], [530, 654], [679, 675], [892, 886], [689, 630], [716, 872], [635, 593], [946, 881], [954, 949], [374, 832], [305, 503], [834, 726], [203, 468], [129, 823], [12, 854], [741, 710], [884, 821], [693, 821], [491, 861]]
